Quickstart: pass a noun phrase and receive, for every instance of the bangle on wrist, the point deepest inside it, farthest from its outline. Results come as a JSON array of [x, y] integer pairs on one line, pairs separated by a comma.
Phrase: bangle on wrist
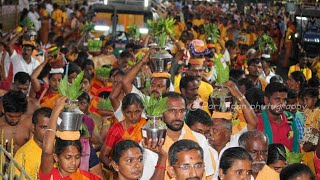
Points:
[[241, 98], [50, 130], [160, 167]]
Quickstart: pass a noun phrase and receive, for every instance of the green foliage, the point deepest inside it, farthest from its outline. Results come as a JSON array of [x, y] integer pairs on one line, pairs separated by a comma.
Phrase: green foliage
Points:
[[87, 27], [222, 72], [94, 45], [154, 106], [155, 123], [105, 104], [84, 132], [161, 29], [26, 23], [265, 41], [133, 31], [212, 32], [103, 72], [291, 157], [73, 90]]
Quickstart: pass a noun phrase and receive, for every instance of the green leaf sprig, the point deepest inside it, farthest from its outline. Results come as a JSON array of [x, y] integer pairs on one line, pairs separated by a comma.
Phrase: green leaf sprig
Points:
[[265, 41], [73, 90], [133, 31], [222, 72], [105, 104], [103, 72], [291, 157], [27, 23], [87, 27], [212, 32], [155, 106], [161, 29]]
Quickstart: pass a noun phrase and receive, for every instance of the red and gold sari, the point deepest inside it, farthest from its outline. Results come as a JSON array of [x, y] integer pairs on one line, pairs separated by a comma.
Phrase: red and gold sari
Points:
[[79, 174], [117, 133]]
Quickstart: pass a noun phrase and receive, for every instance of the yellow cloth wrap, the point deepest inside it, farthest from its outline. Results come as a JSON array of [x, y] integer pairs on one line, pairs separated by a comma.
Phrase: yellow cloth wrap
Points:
[[224, 115], [161, 75], [31, 43], [68, 135], [196, 61]]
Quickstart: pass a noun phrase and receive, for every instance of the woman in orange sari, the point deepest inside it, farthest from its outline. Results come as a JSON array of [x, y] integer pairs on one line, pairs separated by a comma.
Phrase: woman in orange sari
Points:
[[128, 129], [45, 26]]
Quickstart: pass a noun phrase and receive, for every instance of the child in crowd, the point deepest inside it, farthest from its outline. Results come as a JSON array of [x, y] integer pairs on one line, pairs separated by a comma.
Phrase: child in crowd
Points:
[[311, 125]]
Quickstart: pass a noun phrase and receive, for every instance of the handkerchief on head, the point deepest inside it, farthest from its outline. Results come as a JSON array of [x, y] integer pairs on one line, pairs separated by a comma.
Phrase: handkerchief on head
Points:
[[198, 47], [56, 71]]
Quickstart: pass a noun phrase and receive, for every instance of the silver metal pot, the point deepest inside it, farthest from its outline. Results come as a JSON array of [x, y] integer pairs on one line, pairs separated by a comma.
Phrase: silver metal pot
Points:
[[153, 129], [160, 58], [71, 117], [71, 120], [139, 82], [155, 133], [222, 100]]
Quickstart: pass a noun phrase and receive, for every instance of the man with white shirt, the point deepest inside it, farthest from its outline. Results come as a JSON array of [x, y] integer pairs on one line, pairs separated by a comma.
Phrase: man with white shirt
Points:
[[227, 51], [34, 17], [156, 154], [267, 72], [24, 62], [4, 62], [221, 137], [23, 4]]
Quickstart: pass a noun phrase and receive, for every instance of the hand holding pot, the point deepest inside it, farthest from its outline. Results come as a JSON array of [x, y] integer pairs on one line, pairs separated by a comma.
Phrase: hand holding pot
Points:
[[60, 103], [155, 145], [233, 89]]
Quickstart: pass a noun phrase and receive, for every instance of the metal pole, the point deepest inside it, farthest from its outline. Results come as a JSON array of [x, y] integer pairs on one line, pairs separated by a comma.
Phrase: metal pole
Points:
[[114, 24]]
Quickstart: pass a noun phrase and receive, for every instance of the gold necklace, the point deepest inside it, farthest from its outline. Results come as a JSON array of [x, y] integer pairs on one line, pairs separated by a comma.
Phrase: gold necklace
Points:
[[60, 172]]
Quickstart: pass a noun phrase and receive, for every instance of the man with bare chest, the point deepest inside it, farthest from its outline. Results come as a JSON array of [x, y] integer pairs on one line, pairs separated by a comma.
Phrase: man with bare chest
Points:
[[14, 123], [21, 82]]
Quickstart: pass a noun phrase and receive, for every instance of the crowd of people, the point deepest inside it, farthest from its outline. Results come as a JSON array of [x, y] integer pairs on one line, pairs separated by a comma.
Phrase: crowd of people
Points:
[[272, 118]]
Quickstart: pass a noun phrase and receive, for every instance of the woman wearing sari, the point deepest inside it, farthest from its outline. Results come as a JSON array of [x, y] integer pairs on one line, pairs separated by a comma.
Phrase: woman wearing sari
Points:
[[45, 26], [128, 129], [66, 153]]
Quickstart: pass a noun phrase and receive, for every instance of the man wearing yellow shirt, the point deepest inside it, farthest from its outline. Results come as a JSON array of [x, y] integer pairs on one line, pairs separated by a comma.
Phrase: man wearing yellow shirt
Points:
[[30, 153], [58, 18], [197, 21], [301, 66], [178, 27], [196, 69], [291, 30]]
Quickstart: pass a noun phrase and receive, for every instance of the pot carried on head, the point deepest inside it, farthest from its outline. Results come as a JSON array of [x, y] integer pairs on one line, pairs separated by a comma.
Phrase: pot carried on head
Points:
[[161, 58], [222, 100], [71, 117]]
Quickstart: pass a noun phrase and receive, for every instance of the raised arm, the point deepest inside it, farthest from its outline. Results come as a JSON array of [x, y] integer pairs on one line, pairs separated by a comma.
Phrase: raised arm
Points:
[[156, 147], [49, 137], [317, 151], [223, 48], [114, 95], [248, 112], [129, 77], [13, 41], [35, 83]]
